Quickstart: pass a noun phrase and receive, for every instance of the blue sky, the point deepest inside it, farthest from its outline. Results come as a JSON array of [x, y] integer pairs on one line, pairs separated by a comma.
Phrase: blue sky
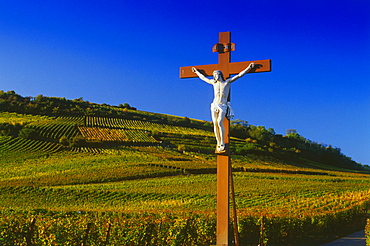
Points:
[[130, 51]]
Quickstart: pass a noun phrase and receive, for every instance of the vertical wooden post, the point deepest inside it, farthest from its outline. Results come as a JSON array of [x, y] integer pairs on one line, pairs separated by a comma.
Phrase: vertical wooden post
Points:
[[30, 232], [107, 234], [223, 160], [223, 184], [86, 235]]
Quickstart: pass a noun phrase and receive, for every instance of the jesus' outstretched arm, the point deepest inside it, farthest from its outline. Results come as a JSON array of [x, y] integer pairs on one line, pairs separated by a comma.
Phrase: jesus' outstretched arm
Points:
[[201, 76], [242, 73]]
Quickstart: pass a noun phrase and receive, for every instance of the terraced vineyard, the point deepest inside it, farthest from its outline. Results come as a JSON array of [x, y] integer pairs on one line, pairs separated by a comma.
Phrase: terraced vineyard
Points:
[[19, 146], [14, 118], [98, 128], [115, 123], [154, 184], [116, 135], [55, 130]]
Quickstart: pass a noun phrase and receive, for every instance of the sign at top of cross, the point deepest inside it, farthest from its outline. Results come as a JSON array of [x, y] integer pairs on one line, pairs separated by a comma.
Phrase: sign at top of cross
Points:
[[224, 47], [220, 106]]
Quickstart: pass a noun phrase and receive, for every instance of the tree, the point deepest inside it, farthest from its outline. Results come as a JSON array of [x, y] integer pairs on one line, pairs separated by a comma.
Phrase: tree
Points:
[[239, 128], [56, 110], [78, 141], [289, 131], [260, 133], [39, 98], [11, 92], [64, 141], [295, 135], [271, 131], [126, 105], [239, 122], [7, 129], [245, 148], [28, 133]]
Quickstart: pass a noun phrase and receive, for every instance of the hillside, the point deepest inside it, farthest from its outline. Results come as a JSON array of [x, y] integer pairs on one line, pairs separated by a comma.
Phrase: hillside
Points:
[[80, 125], [71, 163]]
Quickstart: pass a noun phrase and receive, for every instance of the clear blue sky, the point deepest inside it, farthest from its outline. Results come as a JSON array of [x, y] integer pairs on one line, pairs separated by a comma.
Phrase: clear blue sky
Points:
[[130, 51]]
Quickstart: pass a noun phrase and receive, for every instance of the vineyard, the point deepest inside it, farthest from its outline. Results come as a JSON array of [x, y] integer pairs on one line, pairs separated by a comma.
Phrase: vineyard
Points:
[[17, 146], [115, 123], [14, 118], [287, 206], [115, 135], [118, 181], [97, 128]]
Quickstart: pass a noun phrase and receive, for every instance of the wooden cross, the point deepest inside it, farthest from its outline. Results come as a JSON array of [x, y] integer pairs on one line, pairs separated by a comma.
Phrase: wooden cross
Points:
[[224, 47]]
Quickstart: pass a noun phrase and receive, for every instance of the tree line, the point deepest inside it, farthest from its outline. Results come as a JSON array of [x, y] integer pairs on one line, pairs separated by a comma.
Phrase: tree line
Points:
[[42, 105], [10, 101], [259, 140]]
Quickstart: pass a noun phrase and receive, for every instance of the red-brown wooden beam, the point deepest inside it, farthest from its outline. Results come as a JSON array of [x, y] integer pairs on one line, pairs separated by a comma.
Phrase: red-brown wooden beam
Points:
[[234, 68], [224, 161]]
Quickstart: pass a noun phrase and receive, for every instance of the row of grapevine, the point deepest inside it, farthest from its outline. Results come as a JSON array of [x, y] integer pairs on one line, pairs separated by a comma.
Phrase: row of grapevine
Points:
[[53, 130], [72, 120], [102, 134], [86, 149], [6, 142], [105, 198], [115, 135], [139, 136], [175, 193], [161, 228], [141, 125], [85, 229], [14, 145], [15, 118], [62, 126]]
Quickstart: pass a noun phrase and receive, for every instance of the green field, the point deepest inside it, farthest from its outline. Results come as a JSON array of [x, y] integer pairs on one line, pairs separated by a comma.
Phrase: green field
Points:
[[145, 182]]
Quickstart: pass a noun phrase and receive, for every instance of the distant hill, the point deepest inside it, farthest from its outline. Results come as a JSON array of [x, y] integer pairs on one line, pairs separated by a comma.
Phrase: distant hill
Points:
[[53, 124]]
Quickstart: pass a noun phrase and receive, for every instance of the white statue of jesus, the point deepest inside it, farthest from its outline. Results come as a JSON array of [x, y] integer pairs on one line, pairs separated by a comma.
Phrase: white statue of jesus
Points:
[[220, 107]]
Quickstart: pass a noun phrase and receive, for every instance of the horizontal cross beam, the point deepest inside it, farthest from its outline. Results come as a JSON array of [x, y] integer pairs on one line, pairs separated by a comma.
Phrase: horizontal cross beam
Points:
[[234, 68]]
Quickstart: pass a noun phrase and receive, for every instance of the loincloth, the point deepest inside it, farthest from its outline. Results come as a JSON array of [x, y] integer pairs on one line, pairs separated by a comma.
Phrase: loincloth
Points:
[[223, 107]]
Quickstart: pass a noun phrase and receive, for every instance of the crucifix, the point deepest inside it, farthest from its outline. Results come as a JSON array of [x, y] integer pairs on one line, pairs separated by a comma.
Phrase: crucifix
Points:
[[221, 113]]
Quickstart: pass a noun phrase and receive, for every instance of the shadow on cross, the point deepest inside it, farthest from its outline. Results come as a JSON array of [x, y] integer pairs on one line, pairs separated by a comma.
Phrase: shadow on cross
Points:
[[256, 66], [253, 70]]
